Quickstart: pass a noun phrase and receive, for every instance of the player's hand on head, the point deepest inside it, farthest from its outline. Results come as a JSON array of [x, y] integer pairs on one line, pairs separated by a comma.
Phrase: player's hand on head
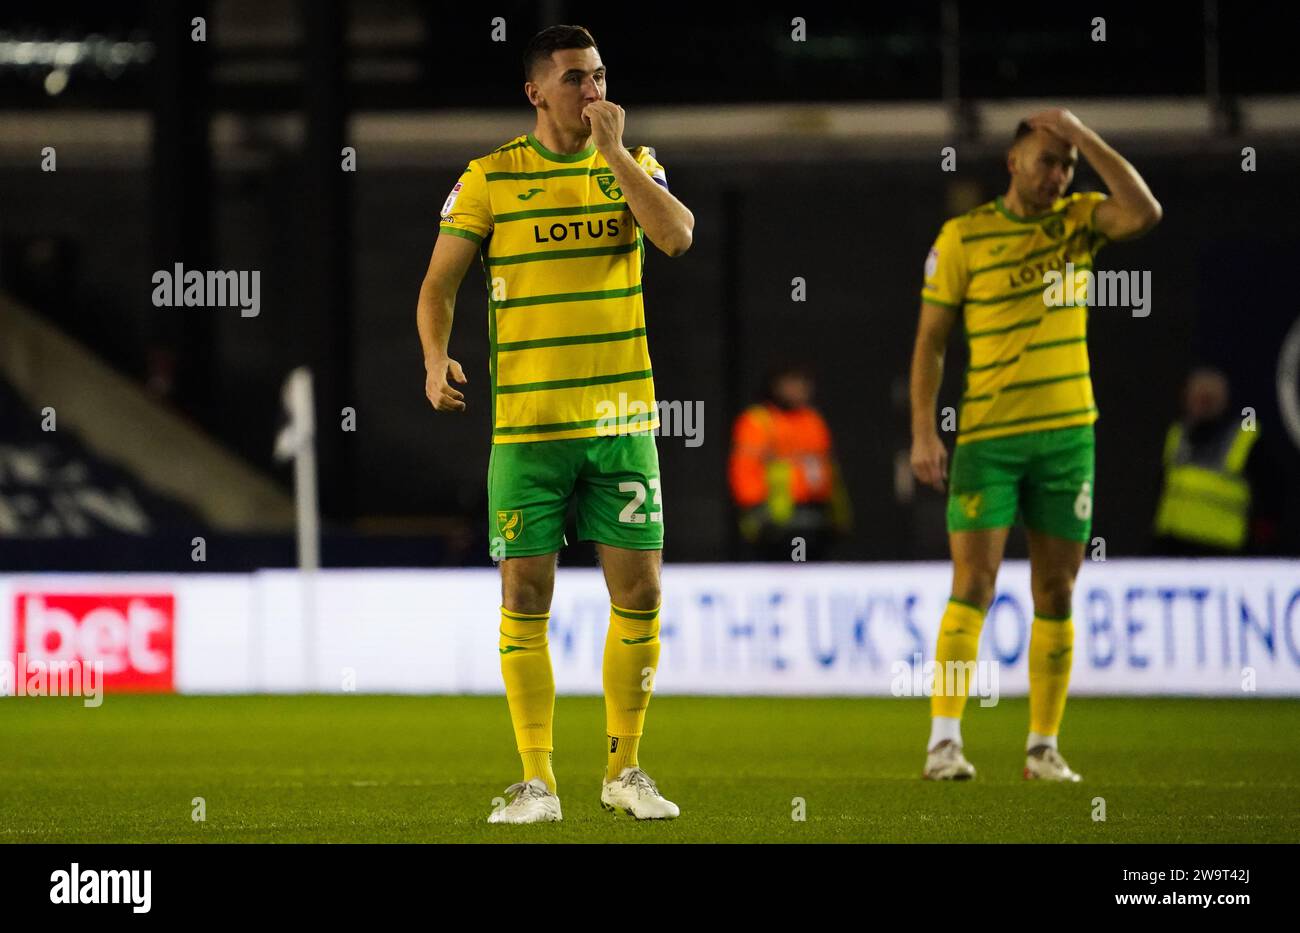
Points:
[[930, 461], [438, 389], [1056, 120]]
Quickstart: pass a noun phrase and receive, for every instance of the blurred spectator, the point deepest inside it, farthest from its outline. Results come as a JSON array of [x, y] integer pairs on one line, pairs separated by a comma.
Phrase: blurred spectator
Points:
[[784, 479], [1218, 493]]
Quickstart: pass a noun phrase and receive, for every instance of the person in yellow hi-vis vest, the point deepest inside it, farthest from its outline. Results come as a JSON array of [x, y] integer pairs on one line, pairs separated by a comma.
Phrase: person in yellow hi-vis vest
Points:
[[784, 479], [1206, 503]]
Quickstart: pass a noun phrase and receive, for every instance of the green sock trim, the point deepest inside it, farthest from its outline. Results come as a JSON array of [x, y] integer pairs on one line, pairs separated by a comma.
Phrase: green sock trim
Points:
[[639, 615], [962, 602], [525, 616]]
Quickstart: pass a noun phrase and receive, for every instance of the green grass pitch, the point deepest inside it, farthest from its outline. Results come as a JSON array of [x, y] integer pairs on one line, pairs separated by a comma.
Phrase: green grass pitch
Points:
[[356, 768]]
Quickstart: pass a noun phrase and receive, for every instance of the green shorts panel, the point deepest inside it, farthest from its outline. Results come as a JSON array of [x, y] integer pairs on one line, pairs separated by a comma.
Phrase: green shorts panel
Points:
[[614, 482], [1044, 478]]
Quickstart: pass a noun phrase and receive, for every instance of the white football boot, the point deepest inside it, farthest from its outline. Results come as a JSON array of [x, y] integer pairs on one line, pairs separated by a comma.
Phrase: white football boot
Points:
[[945, 762], [633, 793], [529, 803], [1044, 763]]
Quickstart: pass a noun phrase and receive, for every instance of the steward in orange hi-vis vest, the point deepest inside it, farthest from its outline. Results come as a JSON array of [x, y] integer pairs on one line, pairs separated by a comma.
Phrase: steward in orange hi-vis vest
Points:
[[785, 481]]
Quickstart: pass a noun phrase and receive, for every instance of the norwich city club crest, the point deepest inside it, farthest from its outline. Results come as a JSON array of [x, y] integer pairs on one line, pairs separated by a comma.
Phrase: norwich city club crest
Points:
[[970, 504], [510, 524], [1054, 227], [609, 185]]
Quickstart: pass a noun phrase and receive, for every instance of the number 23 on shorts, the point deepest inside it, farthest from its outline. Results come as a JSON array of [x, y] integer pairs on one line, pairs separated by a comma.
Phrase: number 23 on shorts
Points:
[[632, 513]]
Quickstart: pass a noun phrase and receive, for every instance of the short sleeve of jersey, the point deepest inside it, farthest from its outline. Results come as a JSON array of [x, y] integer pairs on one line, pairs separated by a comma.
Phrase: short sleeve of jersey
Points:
[[946, 274], [645, 157], [1086, 207], [467, 212]]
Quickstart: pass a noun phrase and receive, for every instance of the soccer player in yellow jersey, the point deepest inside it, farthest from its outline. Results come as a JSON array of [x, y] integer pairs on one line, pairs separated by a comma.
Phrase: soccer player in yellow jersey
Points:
[[1025, 430], [558, 218]]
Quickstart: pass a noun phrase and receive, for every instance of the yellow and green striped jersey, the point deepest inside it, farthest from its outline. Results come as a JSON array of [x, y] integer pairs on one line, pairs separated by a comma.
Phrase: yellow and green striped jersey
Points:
[[563, 258], [1028, 368]]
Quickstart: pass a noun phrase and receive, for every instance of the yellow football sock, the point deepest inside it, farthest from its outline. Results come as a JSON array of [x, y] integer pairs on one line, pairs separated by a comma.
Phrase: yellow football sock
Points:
[[530, 689], [959, 641], [631, 659], [1051, 651]]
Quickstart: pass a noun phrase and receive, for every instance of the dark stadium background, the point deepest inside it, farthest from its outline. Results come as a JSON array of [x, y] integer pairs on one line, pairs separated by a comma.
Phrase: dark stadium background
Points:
[[224, 155]]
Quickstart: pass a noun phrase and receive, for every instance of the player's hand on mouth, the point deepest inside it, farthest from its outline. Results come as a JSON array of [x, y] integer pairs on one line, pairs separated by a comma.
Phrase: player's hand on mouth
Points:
[[437, 388], [606, 122]]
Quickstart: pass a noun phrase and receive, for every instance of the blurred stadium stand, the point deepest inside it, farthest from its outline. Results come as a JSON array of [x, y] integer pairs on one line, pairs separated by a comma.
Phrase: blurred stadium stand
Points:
[[815, 159]]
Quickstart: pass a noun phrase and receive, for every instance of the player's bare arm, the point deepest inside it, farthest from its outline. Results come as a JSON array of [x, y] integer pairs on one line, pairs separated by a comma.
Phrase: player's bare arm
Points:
[[433, 316], [666, 221], [1131, 210], [929, 455]]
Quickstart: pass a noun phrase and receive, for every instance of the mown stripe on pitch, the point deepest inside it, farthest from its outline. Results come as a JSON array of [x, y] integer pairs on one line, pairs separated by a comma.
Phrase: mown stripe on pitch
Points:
[[570, 341], [567, 296], [561, 254], [612, 208], [575, 383]]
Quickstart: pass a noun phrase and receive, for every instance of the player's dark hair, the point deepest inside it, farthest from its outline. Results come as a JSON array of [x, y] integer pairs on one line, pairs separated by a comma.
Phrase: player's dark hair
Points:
[[778, 371], [1023, 129], [553, 39]]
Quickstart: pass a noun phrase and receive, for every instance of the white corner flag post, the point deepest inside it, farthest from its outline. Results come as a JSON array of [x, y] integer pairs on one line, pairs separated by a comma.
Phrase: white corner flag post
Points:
[[297, 442]]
